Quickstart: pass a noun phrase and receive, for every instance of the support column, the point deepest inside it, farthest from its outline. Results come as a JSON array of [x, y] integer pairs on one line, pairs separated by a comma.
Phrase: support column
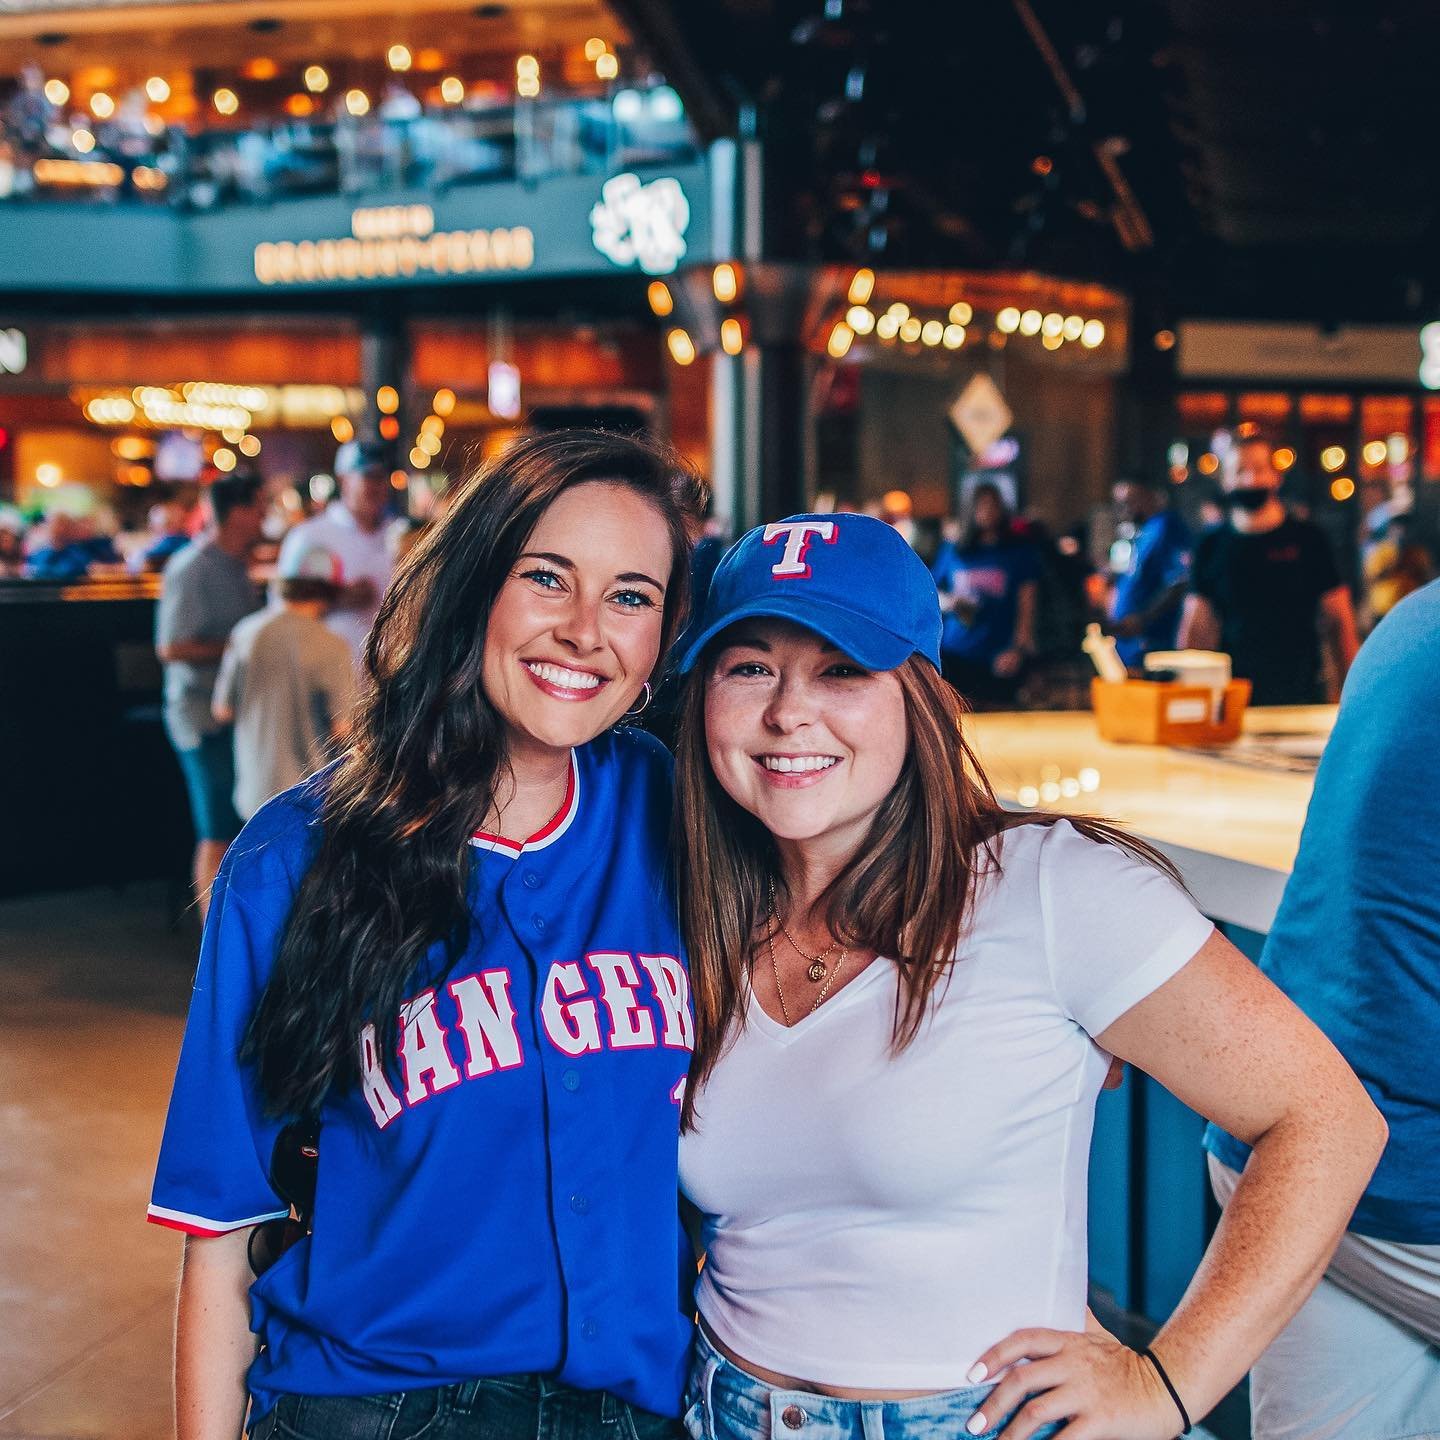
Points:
[[384, 360]]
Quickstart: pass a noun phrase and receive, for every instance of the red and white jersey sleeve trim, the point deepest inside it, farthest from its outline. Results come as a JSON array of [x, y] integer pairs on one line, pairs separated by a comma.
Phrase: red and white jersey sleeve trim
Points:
[[201, 1225]]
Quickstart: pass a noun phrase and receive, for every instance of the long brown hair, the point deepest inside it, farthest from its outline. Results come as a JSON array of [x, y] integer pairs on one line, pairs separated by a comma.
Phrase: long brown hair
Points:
[[426, 752], [906, 893]]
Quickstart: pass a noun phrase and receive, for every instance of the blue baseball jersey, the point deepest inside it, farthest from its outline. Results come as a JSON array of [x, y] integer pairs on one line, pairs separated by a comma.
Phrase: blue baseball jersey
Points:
[[503, 1198], [1159, 559]]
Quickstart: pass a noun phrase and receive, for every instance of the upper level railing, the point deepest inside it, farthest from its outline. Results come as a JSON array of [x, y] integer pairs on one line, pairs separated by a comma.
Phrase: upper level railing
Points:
[[398, 145]]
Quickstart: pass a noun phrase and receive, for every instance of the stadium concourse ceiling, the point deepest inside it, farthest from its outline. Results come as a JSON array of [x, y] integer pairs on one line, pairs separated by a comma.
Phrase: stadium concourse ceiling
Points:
[[65, 35], [1261, 156]]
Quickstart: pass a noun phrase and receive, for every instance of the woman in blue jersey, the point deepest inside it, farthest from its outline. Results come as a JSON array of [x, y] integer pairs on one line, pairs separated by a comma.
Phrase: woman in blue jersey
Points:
[[455, 951], [904, 1000]]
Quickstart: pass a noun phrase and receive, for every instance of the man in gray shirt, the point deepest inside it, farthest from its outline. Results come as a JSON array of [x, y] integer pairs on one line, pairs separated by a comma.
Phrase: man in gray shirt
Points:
[[287, 681], [206, 590]]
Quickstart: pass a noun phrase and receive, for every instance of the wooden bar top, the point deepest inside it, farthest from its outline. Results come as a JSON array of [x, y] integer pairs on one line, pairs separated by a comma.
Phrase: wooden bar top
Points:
[[1230, 819]]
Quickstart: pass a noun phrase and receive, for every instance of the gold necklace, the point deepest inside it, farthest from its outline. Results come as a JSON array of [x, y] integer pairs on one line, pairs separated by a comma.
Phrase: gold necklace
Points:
[[780, 989], [816, 972]]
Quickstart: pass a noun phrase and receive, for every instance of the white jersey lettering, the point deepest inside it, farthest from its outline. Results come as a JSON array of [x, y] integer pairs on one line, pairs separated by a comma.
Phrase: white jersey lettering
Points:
[[573, 1027], [672, 989], [382, 1100], [487, 1021], [424, 1057], [631, 1025]]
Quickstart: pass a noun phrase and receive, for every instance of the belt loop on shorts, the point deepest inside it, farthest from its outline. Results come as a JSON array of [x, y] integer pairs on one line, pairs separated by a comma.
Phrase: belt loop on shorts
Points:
[[872, 1419], [707, 1393]]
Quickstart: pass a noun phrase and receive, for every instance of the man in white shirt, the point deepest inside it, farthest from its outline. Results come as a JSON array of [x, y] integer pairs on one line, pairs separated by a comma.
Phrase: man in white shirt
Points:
[[354, 529]]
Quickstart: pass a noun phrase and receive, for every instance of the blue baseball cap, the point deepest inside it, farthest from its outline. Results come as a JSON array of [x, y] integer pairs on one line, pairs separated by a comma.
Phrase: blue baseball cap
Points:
[[850, 578]]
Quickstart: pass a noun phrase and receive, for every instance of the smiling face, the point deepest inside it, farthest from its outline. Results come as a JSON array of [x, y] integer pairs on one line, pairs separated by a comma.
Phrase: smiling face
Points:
[[574, 632], [800, 736]]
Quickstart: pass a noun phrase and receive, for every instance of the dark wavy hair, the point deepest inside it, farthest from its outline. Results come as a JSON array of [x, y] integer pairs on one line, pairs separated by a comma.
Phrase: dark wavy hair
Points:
[[389, 877]]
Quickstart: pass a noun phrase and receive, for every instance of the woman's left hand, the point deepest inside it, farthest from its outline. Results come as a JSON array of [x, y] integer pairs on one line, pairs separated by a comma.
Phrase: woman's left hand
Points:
[[1100, 1388]]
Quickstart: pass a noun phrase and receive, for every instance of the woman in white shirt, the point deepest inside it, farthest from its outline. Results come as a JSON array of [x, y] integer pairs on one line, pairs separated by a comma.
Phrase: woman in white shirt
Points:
[[906, 1002]]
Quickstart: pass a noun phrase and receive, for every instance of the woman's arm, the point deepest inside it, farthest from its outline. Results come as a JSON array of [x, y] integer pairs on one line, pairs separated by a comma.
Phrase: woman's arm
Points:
[[1229, 1044], [213, 1343]]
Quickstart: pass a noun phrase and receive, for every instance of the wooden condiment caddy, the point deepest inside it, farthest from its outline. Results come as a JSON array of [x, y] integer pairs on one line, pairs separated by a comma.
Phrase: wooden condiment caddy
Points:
[[1149, 712]]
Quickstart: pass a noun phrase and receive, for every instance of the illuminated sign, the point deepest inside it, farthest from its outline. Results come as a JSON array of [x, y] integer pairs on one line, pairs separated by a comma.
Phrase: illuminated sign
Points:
[[14, 352], [1430, 355], [394, 241], [502, 394], [639, 224]]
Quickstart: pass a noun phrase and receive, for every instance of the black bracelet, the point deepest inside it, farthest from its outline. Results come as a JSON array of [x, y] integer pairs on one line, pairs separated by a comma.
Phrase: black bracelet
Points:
[[1154, 1359]]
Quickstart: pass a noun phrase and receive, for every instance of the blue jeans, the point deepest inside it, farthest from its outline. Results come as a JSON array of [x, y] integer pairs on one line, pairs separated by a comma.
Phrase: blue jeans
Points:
[[502, 1407], [724, 1402]]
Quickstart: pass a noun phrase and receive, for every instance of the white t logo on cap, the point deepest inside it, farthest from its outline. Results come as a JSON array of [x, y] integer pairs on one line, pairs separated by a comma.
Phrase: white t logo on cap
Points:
[[798, 534]]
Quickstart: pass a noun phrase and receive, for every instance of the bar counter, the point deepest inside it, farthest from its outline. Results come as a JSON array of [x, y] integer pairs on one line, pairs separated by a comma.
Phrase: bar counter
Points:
[[1230, 819]]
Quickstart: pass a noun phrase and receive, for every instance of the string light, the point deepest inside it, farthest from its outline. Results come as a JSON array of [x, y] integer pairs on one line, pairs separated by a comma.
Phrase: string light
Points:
[[1052, 324], [1092, 334], [910, 330], [840, 341], [1007, 322], [1342, 487], [1332, 457], [661, 301], [961, 313], [595, 48], [1283, 458], [102, 107], [1374, 452], [317, 79], [931, 332], [398, 58], [726, 283], [862, 286], [732, 336], [389, 427], [342, 429], [452, 90], [444, 402], [527, 76], [226, 101], [250, 445], [887, 326], [82, 140], [954, 336], [419, 460], [860, 320], [357, 102], [57, 92], [1030, 322], [682, 347], [224, 460], [607, 67]]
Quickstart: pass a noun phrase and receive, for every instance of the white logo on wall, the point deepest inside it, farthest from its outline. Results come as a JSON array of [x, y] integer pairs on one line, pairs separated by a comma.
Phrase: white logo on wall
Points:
[[638, 224], [14, 353], [1430, 355]]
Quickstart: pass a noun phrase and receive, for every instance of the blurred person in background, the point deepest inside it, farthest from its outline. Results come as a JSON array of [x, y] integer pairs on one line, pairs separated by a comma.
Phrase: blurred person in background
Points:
[[1356, 945], [1395, 565], [12, 543], [167, 531], [989, 589], [1264, 588], [205, 592], [354, 528], [65, 546], [286, 682], [1149, 589]]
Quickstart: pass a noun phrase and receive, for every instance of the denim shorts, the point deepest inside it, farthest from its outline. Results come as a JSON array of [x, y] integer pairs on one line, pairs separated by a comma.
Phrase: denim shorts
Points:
[[500, 1407], [724, 1402], [209, 771]]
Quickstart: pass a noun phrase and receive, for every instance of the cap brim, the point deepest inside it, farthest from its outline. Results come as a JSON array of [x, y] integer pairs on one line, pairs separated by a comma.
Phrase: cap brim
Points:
[[865, 642]]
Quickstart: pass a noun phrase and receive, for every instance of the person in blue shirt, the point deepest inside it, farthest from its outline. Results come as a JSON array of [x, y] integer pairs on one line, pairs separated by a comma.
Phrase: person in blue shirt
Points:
[[1149, 590], [454, 957], [1356, 945], [989, 587]]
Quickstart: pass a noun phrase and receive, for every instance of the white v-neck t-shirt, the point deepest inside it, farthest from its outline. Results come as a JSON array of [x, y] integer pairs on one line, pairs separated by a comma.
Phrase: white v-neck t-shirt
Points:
[[878, 1220]]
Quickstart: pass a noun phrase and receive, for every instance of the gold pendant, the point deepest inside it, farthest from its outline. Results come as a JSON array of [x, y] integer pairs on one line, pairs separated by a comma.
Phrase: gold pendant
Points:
[[816, 972]]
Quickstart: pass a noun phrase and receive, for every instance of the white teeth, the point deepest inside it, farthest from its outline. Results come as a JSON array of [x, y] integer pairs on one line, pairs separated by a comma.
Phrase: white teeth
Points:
[[792, 764], [559, 675]]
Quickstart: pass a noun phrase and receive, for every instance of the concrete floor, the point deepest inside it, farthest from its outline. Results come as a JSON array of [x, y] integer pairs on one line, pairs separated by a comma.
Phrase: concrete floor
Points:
[[93, 990]]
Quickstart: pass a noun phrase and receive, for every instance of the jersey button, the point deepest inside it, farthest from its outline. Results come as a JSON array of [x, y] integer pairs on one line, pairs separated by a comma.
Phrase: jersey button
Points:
[[580, 1205], [571, 1080], [538, 922], [530, 880], [589, 1329], [793, 1417]]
